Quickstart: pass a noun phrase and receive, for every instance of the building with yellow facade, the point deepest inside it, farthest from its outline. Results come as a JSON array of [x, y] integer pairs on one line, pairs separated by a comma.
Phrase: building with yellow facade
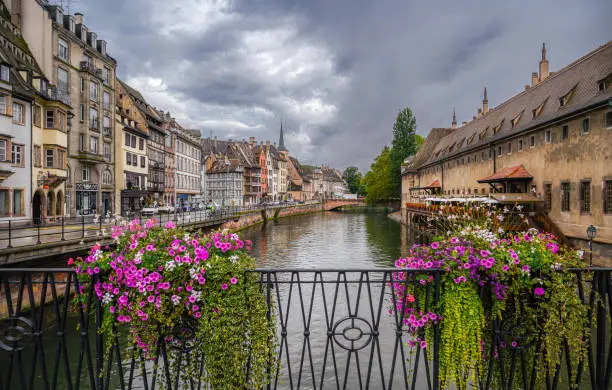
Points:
[[550, 143]]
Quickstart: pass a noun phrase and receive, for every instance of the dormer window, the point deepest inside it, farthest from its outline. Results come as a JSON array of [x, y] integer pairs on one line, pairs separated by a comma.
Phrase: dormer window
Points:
[[516, 119], [5, 73], [601, 86], [102, 47], [71, 24], [59, 16], [497, 128], [564, 100], [83, 33]]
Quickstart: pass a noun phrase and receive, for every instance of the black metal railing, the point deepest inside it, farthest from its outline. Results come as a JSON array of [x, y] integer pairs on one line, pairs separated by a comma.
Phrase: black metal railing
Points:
[[27, 232], [336, 329]]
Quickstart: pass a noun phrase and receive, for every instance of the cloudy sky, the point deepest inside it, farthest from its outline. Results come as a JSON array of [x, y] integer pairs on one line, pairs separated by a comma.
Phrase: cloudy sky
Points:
[[335, 71]]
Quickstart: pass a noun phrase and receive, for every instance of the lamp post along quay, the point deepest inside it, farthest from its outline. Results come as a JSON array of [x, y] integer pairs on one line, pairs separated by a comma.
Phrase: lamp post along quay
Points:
[[591, 233]]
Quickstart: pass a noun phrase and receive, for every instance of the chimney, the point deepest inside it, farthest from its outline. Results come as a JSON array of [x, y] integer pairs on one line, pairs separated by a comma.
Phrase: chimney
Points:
[[463, 123], [275, 144], [526, 87], [543, 64], [78, 18], [267, 144], [534, 78], [473, 118], [485, 103], [479, 112], [215, 142], [252, 140], [454, 123]]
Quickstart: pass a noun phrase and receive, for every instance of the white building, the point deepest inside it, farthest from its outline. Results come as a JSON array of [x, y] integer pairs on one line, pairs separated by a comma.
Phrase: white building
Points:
[[224, 183], [187, 162]]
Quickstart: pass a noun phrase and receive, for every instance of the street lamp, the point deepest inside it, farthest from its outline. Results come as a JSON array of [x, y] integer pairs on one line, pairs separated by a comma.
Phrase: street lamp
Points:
[[591, 233]]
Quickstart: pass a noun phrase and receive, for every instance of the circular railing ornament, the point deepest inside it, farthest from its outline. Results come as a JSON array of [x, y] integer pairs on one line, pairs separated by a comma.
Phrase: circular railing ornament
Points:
[[16, 333], [352, 333], [183, 337]]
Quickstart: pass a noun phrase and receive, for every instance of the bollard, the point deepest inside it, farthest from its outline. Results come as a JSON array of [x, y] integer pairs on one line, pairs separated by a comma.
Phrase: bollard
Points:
[[63, 239], [38, 233], [82, 226]]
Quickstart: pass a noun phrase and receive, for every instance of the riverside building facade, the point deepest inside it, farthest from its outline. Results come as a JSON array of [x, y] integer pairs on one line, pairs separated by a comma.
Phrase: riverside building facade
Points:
[[552, 143]]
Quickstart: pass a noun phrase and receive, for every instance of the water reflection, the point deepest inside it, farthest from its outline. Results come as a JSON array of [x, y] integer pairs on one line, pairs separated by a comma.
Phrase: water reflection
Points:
[[329, 240]]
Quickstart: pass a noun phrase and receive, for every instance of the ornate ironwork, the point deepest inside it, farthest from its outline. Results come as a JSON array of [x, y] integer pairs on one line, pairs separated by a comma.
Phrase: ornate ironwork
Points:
[[336, 329], [15, 334]]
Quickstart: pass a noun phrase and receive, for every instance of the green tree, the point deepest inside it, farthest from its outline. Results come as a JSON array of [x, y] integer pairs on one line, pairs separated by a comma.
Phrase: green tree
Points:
[[378, 183], [405, 143], [352, 177]]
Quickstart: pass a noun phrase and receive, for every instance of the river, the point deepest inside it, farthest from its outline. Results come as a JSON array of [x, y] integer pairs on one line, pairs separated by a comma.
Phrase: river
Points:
[[328, 240]]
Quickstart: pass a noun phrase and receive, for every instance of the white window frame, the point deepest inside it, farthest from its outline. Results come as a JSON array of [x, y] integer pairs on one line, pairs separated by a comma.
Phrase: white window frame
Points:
[[3, 144], [85, 173], [21, 118], [93, 145], [5, 73], [52, 155], [64, 56], [548, 136], [17, 154]]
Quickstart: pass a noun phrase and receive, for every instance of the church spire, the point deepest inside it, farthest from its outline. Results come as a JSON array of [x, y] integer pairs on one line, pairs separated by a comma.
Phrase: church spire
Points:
[[454, 124], [281, 141]]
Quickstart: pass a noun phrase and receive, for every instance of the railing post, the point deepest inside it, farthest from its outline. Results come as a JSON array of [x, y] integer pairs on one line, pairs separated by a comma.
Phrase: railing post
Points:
[[99, 340], [63, 239], [436, 351], [600, 367], [100, 226], [9, 235], [82, 226], [38, 233]]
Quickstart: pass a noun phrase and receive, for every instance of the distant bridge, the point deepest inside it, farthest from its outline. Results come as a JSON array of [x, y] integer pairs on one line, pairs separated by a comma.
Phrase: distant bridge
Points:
[[334, 204]]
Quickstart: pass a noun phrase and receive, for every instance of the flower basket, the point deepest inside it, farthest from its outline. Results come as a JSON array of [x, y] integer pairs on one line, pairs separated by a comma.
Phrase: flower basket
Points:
[[192, 292]]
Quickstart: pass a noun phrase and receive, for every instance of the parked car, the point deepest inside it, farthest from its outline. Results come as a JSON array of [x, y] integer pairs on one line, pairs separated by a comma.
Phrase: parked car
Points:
[[149, 210], [166, 209]]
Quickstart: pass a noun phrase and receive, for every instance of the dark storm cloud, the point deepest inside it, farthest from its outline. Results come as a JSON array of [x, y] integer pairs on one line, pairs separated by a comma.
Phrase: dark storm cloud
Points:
[[337, 72]]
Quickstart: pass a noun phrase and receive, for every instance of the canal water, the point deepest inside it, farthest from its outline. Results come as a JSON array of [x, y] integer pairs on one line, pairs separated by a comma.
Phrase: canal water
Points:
[[328, 240], [324, 240]]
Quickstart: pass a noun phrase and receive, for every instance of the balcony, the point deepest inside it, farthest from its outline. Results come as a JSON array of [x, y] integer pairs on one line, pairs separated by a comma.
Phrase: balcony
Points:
[[87, 156], [94, 124], [108, 132], [88, 67], [55, 137]]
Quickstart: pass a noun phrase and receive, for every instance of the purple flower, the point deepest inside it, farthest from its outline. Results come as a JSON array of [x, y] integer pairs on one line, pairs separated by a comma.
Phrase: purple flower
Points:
[[539, 291], [435, 245], [423, 344], [233, 280], [224, 286]]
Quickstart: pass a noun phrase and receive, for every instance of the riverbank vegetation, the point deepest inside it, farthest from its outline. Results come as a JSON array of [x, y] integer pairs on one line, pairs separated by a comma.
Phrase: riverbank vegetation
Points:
[[383, 180]]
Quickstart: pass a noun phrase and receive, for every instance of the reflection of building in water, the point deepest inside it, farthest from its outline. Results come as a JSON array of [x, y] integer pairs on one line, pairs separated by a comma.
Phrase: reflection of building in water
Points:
[[263, 247], [405, 241]]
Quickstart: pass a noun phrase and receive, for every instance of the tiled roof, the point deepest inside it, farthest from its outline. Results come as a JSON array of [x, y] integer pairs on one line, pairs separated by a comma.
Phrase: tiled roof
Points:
[[580, 77], [513, 172], [133, 92]]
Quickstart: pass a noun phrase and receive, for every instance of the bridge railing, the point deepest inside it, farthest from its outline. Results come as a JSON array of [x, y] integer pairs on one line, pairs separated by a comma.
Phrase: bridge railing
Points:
[[337, 328], [24, 232]]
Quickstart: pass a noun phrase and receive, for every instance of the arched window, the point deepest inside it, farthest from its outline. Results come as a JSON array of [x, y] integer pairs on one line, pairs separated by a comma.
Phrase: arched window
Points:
[[107, 177], [68, 181]]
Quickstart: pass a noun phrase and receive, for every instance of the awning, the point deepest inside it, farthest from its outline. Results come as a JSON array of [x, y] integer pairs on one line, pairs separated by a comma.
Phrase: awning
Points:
[[434, 184], [511, 173]]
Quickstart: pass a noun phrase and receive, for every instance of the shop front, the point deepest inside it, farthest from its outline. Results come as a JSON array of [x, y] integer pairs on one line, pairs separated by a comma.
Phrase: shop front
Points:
[[132, 201], [86, 198]]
